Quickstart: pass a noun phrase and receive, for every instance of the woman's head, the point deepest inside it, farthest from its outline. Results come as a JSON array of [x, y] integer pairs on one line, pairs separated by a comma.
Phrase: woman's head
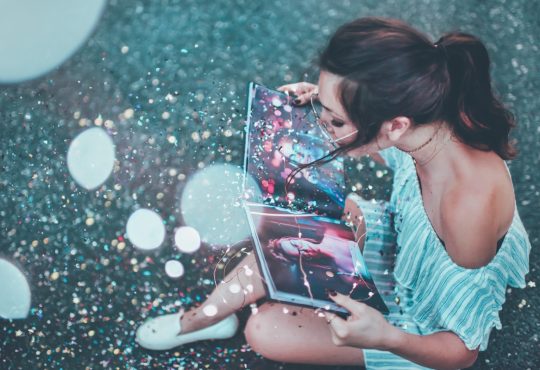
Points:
[[375, 70]]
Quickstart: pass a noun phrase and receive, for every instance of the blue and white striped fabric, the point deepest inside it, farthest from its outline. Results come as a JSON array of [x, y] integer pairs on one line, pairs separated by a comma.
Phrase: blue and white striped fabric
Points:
[[424, 289], [380, 255]]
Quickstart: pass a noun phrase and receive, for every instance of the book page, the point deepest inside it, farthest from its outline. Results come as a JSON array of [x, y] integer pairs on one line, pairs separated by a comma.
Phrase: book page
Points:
[[305, 255], [280, 138]]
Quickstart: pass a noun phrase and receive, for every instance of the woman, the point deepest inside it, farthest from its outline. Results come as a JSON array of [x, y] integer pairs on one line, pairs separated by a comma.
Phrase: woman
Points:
[[427, 111]]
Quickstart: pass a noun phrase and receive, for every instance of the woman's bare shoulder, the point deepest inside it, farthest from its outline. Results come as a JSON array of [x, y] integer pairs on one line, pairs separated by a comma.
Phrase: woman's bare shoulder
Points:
[[475, 213]]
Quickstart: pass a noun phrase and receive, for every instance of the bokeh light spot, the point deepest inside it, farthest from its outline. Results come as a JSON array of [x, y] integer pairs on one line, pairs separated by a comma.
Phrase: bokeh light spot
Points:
[[37, 35], [145, 229], [174, 268], [235, 288], [210, 310], [187, 239], [212, 203], [15, 292], [90, 158]]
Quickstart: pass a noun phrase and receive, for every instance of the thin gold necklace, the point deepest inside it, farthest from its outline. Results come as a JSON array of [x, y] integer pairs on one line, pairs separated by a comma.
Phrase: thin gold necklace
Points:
[[435, 154], [423, 145]]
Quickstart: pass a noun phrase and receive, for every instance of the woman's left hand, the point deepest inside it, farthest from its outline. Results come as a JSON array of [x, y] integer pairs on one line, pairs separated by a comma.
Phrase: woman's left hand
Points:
[[364, 328]]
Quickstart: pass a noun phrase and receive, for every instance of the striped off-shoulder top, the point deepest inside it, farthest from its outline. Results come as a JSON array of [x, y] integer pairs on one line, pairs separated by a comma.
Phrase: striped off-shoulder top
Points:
[[443, 296]]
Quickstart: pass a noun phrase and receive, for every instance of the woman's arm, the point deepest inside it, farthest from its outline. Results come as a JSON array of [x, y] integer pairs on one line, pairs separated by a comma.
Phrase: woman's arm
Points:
[[368, 328], [441, 350]]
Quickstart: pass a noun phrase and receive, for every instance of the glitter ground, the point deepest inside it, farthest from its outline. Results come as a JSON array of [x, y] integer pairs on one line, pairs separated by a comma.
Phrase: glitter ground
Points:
[[167, 81]]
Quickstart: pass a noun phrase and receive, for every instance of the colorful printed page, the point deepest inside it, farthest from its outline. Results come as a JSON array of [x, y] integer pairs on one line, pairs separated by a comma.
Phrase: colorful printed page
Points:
[[303, 256], [280, 138]]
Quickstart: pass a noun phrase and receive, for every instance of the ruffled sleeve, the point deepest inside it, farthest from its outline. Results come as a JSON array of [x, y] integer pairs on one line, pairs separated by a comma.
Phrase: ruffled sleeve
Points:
[[393, 157], [448, 297]]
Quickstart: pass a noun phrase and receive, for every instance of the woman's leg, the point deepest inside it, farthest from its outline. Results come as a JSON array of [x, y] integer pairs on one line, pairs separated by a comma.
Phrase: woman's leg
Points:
[[241, 287], [288, 333], [352, 213]]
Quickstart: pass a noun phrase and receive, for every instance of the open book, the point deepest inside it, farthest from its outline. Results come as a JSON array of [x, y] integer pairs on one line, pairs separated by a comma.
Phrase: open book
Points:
[[303, 248]]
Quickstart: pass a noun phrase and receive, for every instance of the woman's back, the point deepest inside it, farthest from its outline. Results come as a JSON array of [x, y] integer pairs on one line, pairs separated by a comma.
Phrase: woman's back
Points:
[[472, 196]]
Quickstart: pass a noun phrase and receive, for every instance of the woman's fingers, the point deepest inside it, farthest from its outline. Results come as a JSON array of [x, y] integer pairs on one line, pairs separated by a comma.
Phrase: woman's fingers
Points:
[[354, 307], [290, 88], [294, 89], [338, 328], [303, 98], [300, 91]]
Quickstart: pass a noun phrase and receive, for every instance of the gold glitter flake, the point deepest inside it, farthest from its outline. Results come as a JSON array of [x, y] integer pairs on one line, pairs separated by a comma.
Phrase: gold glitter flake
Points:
[[128, 113]]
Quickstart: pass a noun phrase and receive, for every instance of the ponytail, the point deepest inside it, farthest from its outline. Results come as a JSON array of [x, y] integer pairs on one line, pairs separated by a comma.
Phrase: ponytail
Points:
[[479, 119]]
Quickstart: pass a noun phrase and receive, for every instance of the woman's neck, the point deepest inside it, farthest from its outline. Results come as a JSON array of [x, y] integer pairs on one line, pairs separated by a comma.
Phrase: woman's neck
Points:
[[433, 148]]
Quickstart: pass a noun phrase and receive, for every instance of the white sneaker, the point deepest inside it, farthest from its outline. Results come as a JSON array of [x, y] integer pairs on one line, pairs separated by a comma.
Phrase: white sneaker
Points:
[[164, 332]]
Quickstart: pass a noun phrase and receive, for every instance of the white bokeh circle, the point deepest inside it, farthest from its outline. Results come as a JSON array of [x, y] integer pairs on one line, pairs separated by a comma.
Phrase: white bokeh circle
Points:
[[187, 239], [37, 36], [212, 203], [90, 158], [145, 229], [235, 288], [14, 292], [174, 268], [210, 310]]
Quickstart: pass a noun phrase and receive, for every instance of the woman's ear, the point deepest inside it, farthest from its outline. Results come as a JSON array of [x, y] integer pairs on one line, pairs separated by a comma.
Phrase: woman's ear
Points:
[[395, 128]]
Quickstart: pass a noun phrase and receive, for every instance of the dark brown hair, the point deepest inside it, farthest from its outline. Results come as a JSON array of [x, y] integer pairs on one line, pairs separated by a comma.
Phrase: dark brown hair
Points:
[[389, 69]]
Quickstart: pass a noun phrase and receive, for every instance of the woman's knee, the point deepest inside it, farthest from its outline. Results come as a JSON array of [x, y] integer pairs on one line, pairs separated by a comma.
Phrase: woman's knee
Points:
[[254, 331], [260, 333]]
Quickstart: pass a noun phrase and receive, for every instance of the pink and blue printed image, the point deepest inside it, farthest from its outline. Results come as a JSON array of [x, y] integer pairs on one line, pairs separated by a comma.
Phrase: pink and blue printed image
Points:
[[282, 137]]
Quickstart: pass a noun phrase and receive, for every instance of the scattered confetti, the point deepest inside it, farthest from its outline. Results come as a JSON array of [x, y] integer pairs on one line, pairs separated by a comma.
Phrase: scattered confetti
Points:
[[139, 88]]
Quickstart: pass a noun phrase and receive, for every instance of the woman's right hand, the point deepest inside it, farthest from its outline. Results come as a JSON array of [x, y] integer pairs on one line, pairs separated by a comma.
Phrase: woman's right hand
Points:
[[300, 91]]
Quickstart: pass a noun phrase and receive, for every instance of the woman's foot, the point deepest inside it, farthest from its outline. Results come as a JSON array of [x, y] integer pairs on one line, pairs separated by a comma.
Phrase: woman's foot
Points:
[[165, 332], [195, 320]]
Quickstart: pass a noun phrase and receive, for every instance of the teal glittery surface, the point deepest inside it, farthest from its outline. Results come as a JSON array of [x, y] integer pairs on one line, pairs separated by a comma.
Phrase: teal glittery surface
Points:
[[167, 79]]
